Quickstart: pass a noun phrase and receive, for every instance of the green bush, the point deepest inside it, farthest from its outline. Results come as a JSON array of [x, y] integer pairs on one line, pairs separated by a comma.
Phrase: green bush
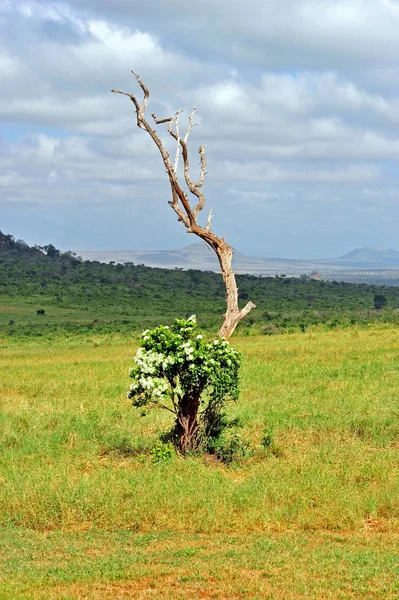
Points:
[[267, 438], [231, 447], [193, 379], [162, 452]]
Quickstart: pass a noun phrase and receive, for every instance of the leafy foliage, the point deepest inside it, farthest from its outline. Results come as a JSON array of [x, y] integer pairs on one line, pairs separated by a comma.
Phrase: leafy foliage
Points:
[[379, 301], [230, 447], [267, 437], [176, 369], [162, 453]]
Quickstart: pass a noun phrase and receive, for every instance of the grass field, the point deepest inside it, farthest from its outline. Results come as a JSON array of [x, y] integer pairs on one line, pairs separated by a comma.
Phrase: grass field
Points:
[[24, 313], [85, 513]]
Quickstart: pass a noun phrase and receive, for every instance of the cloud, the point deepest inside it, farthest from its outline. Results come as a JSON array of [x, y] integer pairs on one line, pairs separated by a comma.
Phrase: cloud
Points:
[[273, 34], [298, 103], [274, 172]]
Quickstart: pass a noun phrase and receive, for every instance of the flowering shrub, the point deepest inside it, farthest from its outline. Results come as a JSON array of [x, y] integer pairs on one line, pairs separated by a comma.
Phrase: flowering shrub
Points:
[[180, 372]]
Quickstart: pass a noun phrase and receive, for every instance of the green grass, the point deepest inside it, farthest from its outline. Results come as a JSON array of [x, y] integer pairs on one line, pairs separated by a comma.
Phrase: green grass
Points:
[[24, 313], [86, 514], [108, 565]]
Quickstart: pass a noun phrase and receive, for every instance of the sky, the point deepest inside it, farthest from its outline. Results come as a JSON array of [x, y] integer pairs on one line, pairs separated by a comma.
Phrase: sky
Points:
[[297, 102]]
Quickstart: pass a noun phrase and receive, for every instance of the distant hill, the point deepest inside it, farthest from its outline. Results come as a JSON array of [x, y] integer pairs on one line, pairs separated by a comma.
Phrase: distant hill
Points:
[[363, 265], [370, 255], [12, 247], [199, 256]]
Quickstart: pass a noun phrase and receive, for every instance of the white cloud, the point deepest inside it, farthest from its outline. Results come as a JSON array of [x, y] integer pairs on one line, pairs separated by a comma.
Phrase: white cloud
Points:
[[294, 100], [310, 33], [10, 67], [37, 11], [274, 172]]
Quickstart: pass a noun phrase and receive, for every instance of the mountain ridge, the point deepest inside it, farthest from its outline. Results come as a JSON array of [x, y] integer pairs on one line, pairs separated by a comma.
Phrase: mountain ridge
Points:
[[362, 265], [198, 256], [372, 254]]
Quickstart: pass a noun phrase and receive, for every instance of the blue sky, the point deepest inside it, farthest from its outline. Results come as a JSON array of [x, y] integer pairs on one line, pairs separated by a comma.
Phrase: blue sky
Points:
[[297, 102]]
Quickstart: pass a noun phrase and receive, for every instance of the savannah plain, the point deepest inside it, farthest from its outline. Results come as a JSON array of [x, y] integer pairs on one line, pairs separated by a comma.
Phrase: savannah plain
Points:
[[298, 102], [86, 512]]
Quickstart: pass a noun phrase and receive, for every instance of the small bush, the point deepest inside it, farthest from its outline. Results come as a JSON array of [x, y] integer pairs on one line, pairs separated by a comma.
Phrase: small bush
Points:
[[162, 452], [231, 447], [379, 301], [267, 438], [270, 329], [177, 370]]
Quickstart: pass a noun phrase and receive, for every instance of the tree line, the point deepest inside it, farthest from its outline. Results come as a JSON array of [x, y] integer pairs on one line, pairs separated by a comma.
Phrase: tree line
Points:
[[132, 296]]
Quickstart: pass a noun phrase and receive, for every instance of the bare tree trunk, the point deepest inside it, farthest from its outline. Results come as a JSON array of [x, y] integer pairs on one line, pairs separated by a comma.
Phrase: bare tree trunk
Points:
[[233, 314], [188, 214]]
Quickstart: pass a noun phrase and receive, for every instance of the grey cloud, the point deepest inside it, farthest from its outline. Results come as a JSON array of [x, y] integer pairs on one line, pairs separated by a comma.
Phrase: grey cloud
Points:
[[296, 101], [273, 34]]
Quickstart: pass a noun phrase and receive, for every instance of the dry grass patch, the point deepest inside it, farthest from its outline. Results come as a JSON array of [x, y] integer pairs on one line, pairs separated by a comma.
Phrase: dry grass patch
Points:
[[173, 566]]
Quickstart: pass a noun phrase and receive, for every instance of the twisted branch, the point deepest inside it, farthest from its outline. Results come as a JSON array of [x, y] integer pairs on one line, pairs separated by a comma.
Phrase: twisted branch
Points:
[[181, 204]]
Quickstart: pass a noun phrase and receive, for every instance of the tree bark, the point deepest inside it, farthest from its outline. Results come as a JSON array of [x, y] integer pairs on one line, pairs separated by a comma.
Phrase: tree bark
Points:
[[187, 423]]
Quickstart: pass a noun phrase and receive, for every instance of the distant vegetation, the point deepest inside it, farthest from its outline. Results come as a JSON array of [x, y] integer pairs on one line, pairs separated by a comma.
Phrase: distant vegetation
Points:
[[44, 292]]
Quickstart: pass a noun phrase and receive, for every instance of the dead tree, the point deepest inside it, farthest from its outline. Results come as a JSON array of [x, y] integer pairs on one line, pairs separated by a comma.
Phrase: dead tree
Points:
[[186, 212]]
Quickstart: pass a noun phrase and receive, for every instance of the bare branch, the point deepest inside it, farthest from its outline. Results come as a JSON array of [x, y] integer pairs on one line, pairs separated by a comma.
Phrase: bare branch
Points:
[[181, 204], [176, 163], [160, 405], [190, 125], [158, 121], [171, 131], [202, 154], [133, 99], [208, 223], [231, 320], [191, 186], [145, 92], [180, 214], [131, 96]]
